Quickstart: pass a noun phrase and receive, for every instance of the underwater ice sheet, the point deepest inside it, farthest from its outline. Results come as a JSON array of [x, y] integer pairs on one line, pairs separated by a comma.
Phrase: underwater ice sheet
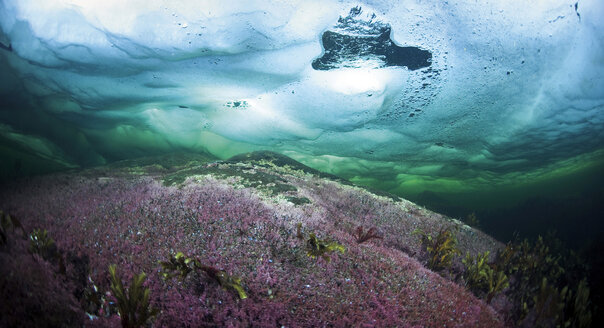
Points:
[[405, 94]]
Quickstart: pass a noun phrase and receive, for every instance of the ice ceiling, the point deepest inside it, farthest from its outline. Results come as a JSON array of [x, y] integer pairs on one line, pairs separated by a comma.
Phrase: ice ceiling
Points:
[[408, 94]]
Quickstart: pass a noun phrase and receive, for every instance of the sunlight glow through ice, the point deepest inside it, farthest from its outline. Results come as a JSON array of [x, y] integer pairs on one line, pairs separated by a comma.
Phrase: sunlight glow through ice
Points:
[[512, 87]]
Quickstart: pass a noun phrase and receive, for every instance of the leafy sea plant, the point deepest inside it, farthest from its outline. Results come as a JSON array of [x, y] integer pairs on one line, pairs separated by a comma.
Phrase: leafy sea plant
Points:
[[133, 303], [95, 302], [299, 233], [225, 280], [497, 282], [40, 243], [481, 276], [504, 259], [441, 249], [560, 308], [180, 266], [316, 247], [320, 247], [477, 271], [581, 313], [472, 220], [363, 236], [7, 221], [549, 306], [541, 275]]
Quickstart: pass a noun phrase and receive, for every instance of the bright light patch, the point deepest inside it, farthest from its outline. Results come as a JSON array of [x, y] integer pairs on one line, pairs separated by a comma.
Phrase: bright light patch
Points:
[[354, 81]]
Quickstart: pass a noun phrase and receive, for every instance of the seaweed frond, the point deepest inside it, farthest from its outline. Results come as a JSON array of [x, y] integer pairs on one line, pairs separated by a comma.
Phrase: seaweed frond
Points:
[[505, 259], [542, 276], [497, 282], [549, 306], [477, 271], [581, 313], [225, 280], [95, 301], [363, 236], [481, 276], [316, 247], [299, 234], [441, 249], [40, 243], [555, 307], [178, 265], [8, 222], [133, 303], [472, 220], [233, 283], [181, 265]]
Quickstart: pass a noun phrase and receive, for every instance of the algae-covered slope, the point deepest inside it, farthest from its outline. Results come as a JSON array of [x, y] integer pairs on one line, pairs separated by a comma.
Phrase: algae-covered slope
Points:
[[265, 241]]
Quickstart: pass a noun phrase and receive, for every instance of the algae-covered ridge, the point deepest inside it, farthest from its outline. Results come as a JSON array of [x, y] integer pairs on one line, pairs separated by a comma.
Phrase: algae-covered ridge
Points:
[[266, 171], [248, 166], [267, 174], [268, 230]]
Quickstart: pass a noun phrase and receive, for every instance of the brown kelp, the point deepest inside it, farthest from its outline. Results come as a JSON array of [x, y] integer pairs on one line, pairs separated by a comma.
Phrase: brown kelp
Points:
[[180, 266], [133, 302], [441, 248]]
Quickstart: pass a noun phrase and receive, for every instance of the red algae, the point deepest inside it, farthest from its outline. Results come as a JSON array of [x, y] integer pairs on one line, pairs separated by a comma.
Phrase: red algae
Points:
[[135, 221]]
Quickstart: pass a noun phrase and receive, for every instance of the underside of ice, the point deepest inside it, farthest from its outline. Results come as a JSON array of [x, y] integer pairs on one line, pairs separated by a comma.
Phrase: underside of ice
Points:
[[403, 91]]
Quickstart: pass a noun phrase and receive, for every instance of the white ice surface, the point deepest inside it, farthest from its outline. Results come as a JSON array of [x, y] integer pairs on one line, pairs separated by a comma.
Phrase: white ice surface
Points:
[[518, 85]]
